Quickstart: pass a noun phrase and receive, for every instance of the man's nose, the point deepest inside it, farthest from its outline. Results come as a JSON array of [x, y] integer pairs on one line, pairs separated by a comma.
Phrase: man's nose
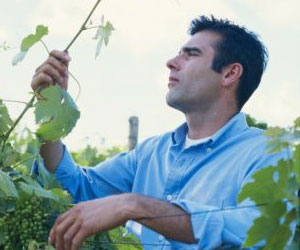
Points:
[[173, 64]]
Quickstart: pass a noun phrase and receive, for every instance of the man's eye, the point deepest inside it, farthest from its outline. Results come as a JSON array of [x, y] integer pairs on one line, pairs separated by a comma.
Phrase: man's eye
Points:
[[192, 54]]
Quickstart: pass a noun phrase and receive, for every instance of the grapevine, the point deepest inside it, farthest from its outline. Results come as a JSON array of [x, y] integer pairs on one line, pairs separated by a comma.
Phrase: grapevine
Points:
[[29, 221], [30, 202]]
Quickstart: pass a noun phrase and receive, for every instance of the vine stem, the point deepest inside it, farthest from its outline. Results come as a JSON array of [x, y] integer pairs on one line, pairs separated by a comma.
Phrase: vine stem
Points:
[[74, 78], [30, 103], [5, 100], [82, 28], [92, 27], [28, 106]]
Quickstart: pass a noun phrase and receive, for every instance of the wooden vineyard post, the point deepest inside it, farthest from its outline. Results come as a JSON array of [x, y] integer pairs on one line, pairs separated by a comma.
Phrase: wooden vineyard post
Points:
[[133, 131]]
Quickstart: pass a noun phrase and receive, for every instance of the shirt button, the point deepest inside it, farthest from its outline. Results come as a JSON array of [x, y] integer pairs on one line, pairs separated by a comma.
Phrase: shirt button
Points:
[[169, 197], [161, 238], [208, 150]]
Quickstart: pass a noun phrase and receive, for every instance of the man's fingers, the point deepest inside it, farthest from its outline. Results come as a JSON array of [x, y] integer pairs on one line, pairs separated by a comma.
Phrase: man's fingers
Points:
[[58, 65], [52, 234], [61, 229], [55, 67], [52, 72], [77, 240], [61, 56], [42, 79], [69, 235]]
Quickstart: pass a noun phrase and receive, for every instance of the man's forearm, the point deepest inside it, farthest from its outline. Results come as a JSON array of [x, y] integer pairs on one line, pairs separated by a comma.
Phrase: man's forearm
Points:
[[52, 153], [162, 217]]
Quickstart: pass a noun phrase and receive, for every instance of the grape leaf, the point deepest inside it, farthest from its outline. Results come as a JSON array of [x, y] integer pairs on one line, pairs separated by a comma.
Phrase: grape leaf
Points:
[[38, 190], [279, 138], [29, 41], [7, 186], [56, 113], [265, 225], [8, 156], [264, 188], [5, 120], [48, 179], [19, 57], [103, 34], [271, 186]]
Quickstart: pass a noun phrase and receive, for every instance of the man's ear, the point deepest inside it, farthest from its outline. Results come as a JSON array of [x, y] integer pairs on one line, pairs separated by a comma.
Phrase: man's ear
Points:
[[231, 74]]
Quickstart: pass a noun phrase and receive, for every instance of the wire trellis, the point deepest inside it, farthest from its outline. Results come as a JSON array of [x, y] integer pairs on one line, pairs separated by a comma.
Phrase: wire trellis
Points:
[[116, 243]]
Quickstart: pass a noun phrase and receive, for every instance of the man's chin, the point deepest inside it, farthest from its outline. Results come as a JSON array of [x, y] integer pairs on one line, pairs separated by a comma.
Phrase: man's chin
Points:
[[173, 104]]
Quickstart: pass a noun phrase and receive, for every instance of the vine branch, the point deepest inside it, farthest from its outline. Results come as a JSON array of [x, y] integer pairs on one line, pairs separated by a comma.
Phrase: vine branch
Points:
[[28, 106], [30, 103], [82, 28]]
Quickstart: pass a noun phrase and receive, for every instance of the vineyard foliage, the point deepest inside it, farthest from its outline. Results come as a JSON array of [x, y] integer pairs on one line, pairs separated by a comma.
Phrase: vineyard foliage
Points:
[[30, 202], [276, 190]]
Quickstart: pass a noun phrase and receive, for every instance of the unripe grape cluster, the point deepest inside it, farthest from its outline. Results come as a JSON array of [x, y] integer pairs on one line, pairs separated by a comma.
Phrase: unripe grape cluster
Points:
[[28, 221]]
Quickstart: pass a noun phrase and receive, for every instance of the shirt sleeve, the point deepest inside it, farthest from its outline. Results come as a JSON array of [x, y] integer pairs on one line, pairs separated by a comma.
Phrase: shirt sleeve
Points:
[[112, 176], [214, 226], [225, 226]]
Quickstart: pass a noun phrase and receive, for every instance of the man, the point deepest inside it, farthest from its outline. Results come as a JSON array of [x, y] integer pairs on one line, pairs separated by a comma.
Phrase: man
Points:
[[175, 185]]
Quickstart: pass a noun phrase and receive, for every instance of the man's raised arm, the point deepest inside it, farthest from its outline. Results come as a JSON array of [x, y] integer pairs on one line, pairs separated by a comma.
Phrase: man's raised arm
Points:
[[53, 71]]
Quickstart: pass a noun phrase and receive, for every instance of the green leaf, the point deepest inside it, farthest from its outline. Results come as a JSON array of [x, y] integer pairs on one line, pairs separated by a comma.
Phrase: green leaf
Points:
[[103, 34], [48, 179], [8, 156], [63, 195], [7, 186], [264, 188], [278, 138], [25, 141], [56, 113], [39, 191], [19, 58], [253, 123], [266, 225], [31, 39], [28, 42], [5, 120]]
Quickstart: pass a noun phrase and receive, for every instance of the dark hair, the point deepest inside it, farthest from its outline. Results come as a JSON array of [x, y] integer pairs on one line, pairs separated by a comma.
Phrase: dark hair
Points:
[[238, 45]]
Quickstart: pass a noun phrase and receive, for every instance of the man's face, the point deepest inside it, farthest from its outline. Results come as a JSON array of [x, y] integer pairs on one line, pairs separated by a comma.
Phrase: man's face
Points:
[[193, 85]]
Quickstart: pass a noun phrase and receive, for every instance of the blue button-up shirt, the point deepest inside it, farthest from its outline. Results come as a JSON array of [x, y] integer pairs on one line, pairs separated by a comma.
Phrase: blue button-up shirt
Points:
[[202, 178]]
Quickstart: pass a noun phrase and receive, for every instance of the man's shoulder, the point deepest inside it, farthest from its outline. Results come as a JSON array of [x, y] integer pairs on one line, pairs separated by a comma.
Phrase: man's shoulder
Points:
[[157, 140], [252, 145], [254, 137]]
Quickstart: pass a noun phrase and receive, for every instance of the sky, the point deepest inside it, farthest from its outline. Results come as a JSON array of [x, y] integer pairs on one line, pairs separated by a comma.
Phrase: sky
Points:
[[130, 76]]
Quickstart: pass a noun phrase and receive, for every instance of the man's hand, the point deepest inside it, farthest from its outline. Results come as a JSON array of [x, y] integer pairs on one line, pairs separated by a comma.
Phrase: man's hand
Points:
[[53, 71], [86, 219]]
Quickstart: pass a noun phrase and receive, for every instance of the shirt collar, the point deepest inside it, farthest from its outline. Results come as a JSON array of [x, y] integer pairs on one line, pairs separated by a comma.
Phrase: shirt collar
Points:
[[236, 124]]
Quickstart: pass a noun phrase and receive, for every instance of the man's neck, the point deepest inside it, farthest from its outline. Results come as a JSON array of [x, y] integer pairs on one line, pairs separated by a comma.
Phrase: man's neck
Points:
[[203, 125]]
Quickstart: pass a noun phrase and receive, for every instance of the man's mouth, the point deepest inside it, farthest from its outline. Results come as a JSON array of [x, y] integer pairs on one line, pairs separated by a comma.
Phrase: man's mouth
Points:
[[172, 81]]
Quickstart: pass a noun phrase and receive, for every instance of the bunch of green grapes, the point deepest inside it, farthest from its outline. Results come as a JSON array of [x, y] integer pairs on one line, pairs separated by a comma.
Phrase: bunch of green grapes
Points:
[[28, 221]]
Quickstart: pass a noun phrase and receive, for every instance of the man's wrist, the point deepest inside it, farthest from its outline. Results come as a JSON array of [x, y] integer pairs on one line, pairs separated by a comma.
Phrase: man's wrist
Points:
[[129, 204]]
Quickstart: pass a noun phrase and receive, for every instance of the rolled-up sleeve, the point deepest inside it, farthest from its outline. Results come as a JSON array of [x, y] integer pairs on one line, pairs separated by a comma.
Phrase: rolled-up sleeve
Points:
[[213, 226]]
